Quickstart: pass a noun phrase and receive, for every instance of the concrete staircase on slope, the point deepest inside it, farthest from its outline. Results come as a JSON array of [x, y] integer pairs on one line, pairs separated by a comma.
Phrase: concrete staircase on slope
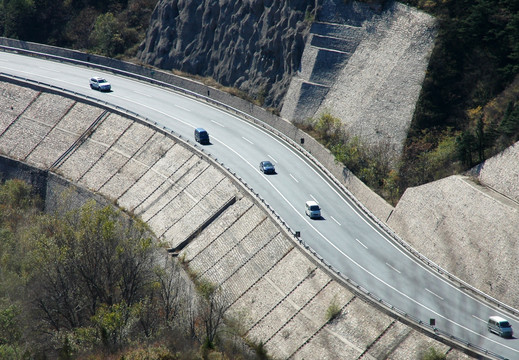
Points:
[[332, 40]]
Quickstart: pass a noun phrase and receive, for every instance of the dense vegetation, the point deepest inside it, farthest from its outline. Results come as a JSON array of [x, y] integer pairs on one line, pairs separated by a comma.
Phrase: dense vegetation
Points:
[[468, 108], [92, 283], [107, 27], [467, 111]]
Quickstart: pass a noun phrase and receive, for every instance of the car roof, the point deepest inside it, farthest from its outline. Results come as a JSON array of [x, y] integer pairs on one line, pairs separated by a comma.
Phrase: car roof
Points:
[[97, 78], [497, 318], [200, 129], [311, 202], [266, 162]]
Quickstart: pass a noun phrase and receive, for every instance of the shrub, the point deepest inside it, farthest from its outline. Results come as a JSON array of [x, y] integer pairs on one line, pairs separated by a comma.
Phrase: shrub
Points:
[[433, 354], [333, 311]]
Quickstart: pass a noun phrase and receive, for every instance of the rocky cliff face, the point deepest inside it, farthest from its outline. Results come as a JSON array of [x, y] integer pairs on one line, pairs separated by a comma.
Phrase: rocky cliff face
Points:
[[253, 45]]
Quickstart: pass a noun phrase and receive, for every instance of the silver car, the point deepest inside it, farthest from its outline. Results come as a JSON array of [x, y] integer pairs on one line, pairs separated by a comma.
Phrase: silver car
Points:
[[312, 209], [99, 83]]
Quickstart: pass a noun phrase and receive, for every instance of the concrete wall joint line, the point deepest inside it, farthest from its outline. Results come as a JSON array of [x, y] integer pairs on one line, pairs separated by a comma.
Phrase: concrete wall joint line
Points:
[[320, 329], [339, 25], [330, 50], [79, 141], [194, 205], [369, 346], [144, 173], [174, 197], [202, 226], [299, 311], [110, 146], [412, 252], [250, 258], [50, 130], [128, 158], [216, 238], [234, 247], [309, 275], [164, 180], [21, 113], [258, 280]]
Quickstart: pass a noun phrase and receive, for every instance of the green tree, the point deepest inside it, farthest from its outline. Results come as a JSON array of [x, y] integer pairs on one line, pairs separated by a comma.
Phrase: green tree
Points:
[[466, 145], [15, 18], [329, 129], [92, 259], [107, 38], [10, 331], [113, 323], [212, 308], [509, 126], [90, 281]]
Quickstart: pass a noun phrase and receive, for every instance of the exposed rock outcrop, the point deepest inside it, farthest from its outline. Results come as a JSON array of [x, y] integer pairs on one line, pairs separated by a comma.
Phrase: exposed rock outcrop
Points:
[[362, 61], [253, 45]]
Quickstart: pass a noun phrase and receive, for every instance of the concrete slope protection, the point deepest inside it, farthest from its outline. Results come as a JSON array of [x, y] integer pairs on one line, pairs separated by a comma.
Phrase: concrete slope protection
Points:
[[276, 292], [363, 63], [344, 237]]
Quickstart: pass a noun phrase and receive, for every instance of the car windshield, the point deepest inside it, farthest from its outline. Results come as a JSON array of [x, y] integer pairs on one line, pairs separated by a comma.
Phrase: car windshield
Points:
[[267, 164], [101, 81], [314, 207], [504, 324]]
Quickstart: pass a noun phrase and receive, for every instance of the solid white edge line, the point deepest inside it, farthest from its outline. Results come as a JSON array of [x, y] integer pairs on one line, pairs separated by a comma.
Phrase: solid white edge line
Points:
[[355, 209]]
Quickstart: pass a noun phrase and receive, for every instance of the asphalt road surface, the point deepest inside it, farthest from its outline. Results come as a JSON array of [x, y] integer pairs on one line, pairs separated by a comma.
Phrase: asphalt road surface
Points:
[[343, 236]]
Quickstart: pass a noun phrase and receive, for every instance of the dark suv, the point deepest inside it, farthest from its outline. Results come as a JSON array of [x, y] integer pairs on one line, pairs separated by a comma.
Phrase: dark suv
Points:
[[267, 167], [202, 136]]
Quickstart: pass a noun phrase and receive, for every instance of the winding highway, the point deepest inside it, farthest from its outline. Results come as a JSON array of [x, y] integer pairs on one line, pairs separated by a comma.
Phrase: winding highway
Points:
[[344, 236]]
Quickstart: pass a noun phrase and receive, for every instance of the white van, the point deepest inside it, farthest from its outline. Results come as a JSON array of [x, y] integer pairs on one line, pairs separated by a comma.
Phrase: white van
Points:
[[312, 209], [500, 326]]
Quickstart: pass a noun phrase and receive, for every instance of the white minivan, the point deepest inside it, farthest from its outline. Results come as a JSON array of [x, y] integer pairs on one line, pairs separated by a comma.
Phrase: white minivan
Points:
[[499, 326], [312, 209]]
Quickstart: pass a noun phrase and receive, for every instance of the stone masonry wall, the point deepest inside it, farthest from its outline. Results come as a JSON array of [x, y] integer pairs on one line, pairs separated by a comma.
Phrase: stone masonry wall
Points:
[[279, 293], [378, 206]]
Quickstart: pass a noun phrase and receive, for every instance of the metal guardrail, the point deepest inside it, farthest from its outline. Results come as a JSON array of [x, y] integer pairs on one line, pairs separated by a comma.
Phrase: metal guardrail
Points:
[[431, 330]]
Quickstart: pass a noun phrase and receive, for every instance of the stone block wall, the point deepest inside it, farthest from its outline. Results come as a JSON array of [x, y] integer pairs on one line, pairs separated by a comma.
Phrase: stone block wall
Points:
[[276, 289]]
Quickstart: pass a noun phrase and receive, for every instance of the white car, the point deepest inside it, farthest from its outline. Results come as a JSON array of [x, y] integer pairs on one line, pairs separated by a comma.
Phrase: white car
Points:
[[313, 210], [99, 83]]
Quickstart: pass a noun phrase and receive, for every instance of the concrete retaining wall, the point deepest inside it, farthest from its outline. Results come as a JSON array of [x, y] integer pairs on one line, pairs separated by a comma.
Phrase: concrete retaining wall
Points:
[[378, 206], [276, 290]]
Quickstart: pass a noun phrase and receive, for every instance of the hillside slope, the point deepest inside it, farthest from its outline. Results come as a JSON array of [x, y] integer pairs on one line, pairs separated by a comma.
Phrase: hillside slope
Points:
[[365, 65], [277, 290], [252, 45]]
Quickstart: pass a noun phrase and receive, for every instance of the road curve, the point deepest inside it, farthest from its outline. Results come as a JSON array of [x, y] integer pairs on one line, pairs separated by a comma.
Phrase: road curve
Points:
[[344, 236]]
